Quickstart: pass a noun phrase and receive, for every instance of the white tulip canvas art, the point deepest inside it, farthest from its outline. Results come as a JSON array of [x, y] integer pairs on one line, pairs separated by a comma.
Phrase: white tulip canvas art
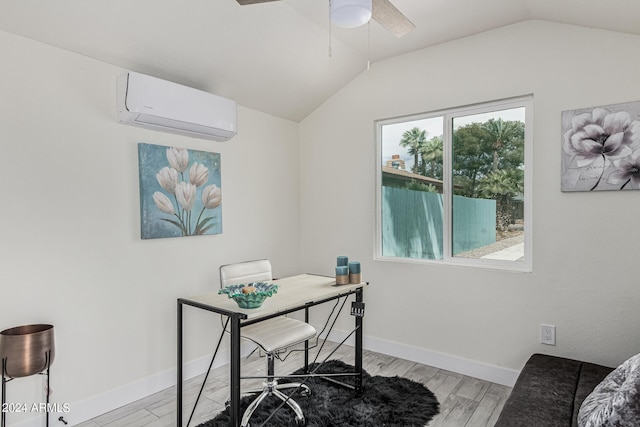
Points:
[[180, 192], [601, 148]]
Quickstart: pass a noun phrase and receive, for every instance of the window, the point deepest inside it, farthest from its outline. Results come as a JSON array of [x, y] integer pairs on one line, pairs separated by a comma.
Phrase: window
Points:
[[453, 187]]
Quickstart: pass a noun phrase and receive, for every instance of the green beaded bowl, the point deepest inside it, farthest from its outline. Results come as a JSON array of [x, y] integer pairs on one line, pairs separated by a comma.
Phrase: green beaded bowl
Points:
[[252, 299]]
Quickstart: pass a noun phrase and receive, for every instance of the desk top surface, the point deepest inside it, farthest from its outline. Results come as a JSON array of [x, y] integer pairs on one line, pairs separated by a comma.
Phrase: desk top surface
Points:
[[293, 291]]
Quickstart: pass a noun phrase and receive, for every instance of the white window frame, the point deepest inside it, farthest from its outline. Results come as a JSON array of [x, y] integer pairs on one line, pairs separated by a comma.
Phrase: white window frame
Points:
[[449, 114]]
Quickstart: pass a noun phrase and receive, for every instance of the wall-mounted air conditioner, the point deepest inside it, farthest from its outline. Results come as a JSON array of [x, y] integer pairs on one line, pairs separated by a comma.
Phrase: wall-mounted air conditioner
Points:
[[169, 107]]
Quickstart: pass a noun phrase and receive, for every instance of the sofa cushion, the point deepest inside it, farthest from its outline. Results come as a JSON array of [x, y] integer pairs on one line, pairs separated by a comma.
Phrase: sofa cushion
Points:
[[615, 402], [590, 376]]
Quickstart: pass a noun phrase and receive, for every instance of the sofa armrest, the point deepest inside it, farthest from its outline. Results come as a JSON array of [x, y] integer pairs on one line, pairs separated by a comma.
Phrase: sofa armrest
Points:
[[549, 392], [543, 394]]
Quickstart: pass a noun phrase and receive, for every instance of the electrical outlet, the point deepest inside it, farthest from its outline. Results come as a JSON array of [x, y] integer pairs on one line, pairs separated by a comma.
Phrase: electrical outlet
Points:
[[548, 334]]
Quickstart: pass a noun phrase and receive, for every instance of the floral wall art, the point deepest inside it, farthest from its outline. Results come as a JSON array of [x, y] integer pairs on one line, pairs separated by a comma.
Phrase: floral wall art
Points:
[[180, 192], [601, 148]]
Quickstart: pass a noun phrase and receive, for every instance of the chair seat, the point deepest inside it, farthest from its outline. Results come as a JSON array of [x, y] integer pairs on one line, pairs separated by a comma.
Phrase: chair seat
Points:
[[278, 333]]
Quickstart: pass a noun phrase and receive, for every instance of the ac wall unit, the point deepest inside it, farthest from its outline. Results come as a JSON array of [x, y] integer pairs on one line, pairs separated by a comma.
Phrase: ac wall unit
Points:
[[157, 104]]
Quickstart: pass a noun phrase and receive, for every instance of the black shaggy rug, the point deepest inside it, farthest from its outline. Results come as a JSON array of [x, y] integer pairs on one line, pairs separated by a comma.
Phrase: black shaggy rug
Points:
[[385, 402]]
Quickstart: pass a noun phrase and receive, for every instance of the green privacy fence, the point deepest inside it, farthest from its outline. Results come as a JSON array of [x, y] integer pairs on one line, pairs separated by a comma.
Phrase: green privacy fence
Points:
[[474, 223], [412, 223]]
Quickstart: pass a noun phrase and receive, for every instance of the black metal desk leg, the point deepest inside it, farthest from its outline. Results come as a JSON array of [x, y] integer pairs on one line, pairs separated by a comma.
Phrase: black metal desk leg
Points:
[[235, 372], [179, 363], [306, 343], [359, 334]]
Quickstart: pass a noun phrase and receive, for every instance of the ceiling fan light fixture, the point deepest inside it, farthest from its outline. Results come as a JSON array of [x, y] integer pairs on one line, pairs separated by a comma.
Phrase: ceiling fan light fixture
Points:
[[350, 13]]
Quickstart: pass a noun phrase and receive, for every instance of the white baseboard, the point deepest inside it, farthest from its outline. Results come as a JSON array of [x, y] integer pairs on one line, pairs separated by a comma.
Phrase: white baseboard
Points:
[[471, 368], [101, 404], [97, 405]]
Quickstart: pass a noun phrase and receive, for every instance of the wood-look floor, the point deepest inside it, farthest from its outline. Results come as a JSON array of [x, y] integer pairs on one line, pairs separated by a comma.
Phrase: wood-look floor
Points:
[[464, 401]]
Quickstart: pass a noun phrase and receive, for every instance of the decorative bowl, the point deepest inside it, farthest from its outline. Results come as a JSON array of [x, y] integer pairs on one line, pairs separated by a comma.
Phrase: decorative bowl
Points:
[[252, 299]]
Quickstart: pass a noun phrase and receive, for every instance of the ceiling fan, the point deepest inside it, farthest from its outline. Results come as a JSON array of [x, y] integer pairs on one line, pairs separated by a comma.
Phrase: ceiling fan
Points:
[[383, 11]]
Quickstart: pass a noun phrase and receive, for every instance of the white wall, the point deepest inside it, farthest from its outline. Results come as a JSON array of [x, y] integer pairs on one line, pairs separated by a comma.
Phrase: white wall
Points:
[[585, 266], [71, 251]]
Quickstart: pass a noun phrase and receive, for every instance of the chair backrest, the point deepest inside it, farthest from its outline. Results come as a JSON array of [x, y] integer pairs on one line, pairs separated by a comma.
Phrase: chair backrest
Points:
[[245, 272]]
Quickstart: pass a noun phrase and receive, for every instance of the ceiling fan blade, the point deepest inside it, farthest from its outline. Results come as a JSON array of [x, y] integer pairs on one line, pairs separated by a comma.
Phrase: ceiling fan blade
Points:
[[387, 15], [246, 2]]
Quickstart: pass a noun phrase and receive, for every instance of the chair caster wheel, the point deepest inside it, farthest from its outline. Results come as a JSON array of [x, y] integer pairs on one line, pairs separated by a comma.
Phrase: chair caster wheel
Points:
[[300, 422], [305, 392]]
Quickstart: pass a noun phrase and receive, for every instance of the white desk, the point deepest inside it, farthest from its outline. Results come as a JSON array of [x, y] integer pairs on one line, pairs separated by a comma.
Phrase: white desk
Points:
[[294, 293]]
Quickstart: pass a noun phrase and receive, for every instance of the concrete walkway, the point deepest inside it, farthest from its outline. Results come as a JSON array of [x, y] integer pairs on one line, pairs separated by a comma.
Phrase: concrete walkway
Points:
[[511, 249], [512, 253]]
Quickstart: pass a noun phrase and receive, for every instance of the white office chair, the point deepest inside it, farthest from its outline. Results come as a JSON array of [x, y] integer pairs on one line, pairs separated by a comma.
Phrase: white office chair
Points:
[[273, 336]]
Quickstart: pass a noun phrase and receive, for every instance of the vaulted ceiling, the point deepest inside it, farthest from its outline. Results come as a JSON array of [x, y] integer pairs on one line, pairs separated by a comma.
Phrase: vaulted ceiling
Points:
[[275, 57]]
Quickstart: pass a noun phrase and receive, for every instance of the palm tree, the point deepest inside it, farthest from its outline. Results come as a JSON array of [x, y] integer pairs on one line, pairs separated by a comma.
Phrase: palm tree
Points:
[[431, 153], [414, 139], [502, 186], [501, 132]]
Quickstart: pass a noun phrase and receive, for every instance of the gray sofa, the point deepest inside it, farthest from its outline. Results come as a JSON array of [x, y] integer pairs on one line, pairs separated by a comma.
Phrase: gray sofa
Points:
[[549, 392]]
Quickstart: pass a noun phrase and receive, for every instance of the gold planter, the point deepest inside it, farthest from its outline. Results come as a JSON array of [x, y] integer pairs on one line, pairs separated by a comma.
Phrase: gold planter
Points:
[[27, 350]]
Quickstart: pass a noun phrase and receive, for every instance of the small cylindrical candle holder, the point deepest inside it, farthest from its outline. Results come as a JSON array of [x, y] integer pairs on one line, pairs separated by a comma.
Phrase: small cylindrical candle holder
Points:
[[342, 275], [343, 261], [355, 275]]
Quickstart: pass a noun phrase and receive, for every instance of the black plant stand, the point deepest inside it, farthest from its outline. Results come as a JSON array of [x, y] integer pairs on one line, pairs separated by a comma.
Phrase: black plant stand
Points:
[[5, 380]]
